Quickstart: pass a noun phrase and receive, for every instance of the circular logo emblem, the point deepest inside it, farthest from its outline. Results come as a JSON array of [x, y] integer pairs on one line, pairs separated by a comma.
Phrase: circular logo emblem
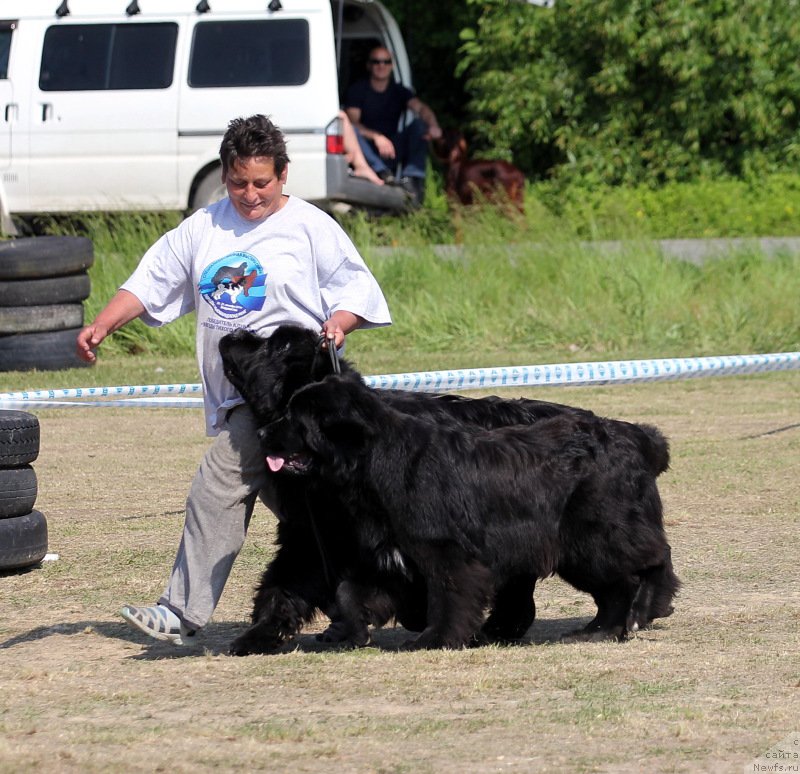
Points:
[[234, 285]]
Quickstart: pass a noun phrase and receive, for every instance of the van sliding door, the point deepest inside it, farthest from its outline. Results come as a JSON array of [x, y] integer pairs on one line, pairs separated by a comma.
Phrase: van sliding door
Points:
[[103, 118]]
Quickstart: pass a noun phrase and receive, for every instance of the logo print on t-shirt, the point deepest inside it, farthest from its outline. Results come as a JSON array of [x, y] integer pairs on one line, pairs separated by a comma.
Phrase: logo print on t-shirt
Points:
[[234, 285]]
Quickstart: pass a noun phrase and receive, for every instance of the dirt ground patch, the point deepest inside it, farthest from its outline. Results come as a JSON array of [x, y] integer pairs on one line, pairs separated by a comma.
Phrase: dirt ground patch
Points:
[[709, 689]]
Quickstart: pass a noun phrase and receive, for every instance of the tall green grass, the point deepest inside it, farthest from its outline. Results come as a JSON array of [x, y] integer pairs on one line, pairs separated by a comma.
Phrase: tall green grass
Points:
[[530, 287], [119, 243], [564, 299], [704, 208]]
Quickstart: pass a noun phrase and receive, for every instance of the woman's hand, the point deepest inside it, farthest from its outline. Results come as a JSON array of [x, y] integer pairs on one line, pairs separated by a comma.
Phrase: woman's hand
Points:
[[121, 309], [338, 325]]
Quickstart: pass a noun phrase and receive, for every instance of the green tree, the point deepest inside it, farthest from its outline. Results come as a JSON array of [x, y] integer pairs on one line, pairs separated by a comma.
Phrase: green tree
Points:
[[638, 91], [432, 35]]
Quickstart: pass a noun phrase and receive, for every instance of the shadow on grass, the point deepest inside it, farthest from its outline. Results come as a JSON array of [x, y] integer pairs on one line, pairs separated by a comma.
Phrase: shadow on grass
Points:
[[216, 637]]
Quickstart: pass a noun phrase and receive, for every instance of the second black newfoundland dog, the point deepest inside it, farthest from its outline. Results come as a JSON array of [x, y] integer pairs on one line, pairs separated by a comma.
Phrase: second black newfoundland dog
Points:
[[321, 564], [474, 510]]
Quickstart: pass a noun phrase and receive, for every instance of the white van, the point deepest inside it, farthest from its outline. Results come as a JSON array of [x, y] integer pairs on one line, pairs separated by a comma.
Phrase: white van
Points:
[[121, 104]]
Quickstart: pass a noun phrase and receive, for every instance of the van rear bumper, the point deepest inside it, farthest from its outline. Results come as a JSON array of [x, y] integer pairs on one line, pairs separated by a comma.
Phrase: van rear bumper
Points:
[[346, 189]]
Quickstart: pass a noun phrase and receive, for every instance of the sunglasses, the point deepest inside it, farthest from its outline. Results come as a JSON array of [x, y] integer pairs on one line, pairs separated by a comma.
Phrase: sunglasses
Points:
[[380, 61]]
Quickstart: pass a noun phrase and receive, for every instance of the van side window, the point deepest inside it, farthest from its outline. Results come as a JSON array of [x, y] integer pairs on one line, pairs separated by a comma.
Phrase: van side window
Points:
[[250, 53], [93, 57], [6, 30]]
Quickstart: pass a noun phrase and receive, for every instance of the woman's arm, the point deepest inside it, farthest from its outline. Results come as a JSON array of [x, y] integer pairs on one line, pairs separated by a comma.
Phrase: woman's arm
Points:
[[121, 309]]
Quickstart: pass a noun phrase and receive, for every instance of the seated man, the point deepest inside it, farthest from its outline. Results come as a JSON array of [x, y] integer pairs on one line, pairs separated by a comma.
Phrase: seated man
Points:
[[374, 106]]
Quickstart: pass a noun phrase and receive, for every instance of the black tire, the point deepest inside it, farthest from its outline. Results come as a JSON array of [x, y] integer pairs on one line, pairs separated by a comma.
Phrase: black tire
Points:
[[45, 256], [19, 438], [23, 540], [51, 290], [18, 490], [209, 190], [48, 351], [50, 317]]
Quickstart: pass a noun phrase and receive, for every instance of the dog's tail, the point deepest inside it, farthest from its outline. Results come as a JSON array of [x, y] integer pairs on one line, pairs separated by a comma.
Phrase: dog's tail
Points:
[[655, 448]]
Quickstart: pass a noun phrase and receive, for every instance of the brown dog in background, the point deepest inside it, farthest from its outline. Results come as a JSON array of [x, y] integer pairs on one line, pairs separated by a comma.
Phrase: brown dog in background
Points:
[[472, 180]]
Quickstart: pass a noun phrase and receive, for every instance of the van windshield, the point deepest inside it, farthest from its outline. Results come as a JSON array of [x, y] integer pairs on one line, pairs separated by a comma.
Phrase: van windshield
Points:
[[250, 53]]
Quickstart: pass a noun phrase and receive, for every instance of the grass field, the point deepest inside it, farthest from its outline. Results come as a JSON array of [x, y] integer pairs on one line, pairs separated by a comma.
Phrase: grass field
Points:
[[708, 689]]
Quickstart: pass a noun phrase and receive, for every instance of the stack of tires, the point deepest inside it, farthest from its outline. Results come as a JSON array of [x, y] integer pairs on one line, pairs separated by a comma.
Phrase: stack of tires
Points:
[[23, 530], [43, 283]]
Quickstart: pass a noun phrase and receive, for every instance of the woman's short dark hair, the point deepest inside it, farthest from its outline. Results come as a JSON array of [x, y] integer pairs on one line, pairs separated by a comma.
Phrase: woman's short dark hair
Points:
[[247, 138]]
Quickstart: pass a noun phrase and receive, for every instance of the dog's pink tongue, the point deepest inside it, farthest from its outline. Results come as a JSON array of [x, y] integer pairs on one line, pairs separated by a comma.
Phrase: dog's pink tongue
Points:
[[275, 463]]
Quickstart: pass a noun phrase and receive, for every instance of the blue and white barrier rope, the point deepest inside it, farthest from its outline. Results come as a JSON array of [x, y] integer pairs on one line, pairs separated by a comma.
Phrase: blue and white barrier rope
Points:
[[152, 395], [575, 374], [610, 372], [128, 403]]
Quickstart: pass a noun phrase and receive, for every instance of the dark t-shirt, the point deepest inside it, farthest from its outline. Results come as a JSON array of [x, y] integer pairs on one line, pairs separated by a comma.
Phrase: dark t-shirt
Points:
[[380, 110]]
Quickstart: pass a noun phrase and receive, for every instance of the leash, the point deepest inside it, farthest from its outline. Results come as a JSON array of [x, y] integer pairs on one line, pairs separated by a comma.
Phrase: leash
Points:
[[330, 576], [329, 572], [333, 354]]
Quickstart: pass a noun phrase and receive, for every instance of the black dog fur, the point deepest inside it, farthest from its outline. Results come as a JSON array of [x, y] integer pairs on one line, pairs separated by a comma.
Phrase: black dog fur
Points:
[[475, 510], [318, 557], [312, 558]]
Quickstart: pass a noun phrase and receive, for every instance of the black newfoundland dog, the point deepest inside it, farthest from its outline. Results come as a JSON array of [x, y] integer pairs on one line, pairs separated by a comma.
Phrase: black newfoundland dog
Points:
[[320, 562], [475, 510]]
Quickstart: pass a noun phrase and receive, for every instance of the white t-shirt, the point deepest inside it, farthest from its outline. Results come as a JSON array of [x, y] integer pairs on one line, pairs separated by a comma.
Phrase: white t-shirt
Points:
[[296, 266]]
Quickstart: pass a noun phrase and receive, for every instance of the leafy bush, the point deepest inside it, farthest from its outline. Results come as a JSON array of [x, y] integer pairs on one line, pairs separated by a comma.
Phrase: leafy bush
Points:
[[656, 91]]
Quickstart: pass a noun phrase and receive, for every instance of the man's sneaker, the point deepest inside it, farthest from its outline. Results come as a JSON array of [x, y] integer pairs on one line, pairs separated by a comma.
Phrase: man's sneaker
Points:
[[415, 187], [158, 622]]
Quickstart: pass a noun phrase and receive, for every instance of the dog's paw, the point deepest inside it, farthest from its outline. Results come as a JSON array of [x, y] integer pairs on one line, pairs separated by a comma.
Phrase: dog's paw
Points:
[[253, 642], [340, 633], [335, 633]]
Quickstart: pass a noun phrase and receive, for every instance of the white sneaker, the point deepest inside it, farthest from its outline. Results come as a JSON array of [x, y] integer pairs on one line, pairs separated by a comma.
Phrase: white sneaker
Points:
[[158, 622]]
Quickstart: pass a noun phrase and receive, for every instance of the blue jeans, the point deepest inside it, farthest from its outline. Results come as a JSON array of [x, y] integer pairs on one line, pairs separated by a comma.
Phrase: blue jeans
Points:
[[409, 144]]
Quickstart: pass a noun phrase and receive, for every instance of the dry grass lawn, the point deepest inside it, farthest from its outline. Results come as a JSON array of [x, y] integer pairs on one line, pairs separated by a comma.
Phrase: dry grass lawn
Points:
[[709, 689]]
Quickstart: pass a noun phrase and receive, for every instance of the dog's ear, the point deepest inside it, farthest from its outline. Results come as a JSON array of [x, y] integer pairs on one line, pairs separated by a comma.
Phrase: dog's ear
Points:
[[332, 420], [322, 404], [337, 445]]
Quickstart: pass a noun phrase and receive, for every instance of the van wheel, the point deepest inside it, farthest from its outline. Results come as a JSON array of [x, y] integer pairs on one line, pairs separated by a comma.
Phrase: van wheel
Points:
[[50, 317], [23, 540], [210, 189], [50, 290], [45, 256], [45, 351], [18, 490], [19, 438]]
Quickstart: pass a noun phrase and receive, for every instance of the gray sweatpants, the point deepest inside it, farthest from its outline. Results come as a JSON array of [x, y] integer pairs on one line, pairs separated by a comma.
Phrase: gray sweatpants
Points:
[[218, 510]]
